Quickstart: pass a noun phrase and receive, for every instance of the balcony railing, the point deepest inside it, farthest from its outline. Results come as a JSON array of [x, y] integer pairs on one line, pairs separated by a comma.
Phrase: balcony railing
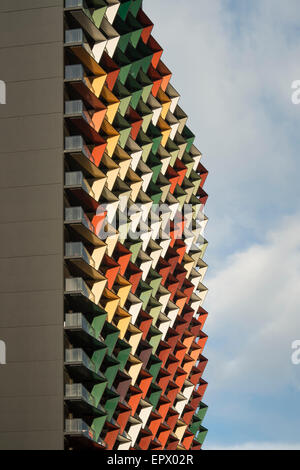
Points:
[[78, 250], [78, 426], [74, 72], [74, 36], [77, 392], [77, 215], [75, 179], [76, 286], [77, 320], [75, 144], [75, 356]]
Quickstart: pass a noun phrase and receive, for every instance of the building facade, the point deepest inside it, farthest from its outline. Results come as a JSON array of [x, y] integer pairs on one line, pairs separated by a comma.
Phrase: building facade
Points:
[[102, 245]]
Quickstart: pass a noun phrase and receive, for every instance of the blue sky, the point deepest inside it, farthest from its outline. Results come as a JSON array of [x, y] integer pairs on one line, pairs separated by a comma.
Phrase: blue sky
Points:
[[233, 62]]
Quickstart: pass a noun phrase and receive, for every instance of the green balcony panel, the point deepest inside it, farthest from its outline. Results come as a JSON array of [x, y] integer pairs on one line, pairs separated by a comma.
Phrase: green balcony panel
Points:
[[144, 293], [98, 323], [173, 150], [154, 309], [156, 136], [195, 425], [155, 164], [136, 29], [110, 402], [155, 193], [135, 7], [124, 95], [124, 129], [110, 334], [98, 390], [122, 352], [135, 89], [154, 366], [145, 143], [146, 113], [146, 84], [124, 63], [124, 9], [189, 137], [201, 435], [155, 281], [110, 369], [154, 394], [147, 55], [154, 337], [201, 412], [98, 357], [125, 33], [98, 425], [135, 247], [98, 15]]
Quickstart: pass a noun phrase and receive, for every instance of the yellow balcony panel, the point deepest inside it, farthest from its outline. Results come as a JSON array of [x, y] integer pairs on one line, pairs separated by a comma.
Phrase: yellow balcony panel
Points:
[[109, 133], [112, 103], [133, 368], [156, 108], [122, 288], [109, 302], [121, 320], [89, 62], [180, 429], [123, 160], [111, 239], [97, 288], [97, 84], [135, 183], [98, 186], [165, 130], [98, 254], [188, 264], [165, 102], [135, 152]]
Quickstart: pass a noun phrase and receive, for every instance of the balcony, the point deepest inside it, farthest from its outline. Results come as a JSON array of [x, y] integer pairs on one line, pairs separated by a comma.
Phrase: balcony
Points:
[[81, 367], [82, 333], [77, 219]]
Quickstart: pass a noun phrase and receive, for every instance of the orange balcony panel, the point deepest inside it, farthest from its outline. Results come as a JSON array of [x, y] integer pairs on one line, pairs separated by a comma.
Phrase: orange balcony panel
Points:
[[134, 275], [134, 396], [195, 446], [163, 407], [172, 392], [180, 273], [163, 434], [99, 220], [172, 258], [98, 118], [196, 399], [202, 387], [144, 323], [203, 340], [112, 433], [163, 379], [173, 177], [180, 248], [147, 25], [180, 300], [145, 439], [188, 363], [163, 352], [172, 443], [155, 421], [188, 414], [188, 289], [98, 153], [136, 122], [163, 268], [195, 327], [156, 79], [195, 376], [157, 51], [124, 413], [181, 170], [180, 377], [155, 446], [179, 352], [172, 338], [122, 257], [187, 440], [188, 339], [172, 284], [195, 351], [180, 326], [172, 418], [203, 314], [203, 174], [144, 382], [165, 73], [112, 70], [110, 269], [187, 314]]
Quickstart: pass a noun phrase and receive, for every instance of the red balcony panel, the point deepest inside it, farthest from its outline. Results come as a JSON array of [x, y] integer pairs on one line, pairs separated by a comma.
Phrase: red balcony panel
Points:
[[98, 153], [155, 446], [165, 73], [187, 314], [172, 338], [154, 422], [195, 376], [111, 433], [196, 399], [124, 413], [145, 438], [163, 406], [195, 327], [202, 387], [112, 70], [203, 173], [110, 269], [163, 352], [172, 443], [180, 377], [181, 170], [133, 398], [122, 383], [144, 323], [179, 352], [163, 434], [172, 258], [156, 49], [180, 248], [99, 220], [203, 340], [202, 195], [180, 326], [181, 274], [180, 300], [203, 314], [172, 392], [195, 351], [163, 379], [202, 364], [188, 363], [172, 285], [147, 25], [122, 256], [195, 446], [188, 289], [163, 268], [144, 381], [156, 79], [134, 275], [172, 418], [187, 440], [188, 414]]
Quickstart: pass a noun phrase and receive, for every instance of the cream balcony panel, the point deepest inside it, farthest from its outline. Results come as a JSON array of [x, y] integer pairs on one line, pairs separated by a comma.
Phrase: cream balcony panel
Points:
[[180, 404], [98, 288], [196, 155], [112, 10], [133, 367], [174, 97], [156, 107], [123, 444], [98, 254], [202, 292], [189, 241], [111, 170], [154, 251], [146, 174], [134, 430], [165, 158], [146, 235], [188, 264], [182, 118], [111, 239], [187, 390], [111, 35], [164, 325], [98, 49], [134, 336], [135, 152], [123, 160], [172, 312], [163, 297], [145, 412], [135, 306], [165, 242]]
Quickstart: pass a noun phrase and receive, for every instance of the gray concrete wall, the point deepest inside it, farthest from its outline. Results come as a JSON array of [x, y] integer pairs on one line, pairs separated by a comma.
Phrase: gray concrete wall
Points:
[[31, 224]]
